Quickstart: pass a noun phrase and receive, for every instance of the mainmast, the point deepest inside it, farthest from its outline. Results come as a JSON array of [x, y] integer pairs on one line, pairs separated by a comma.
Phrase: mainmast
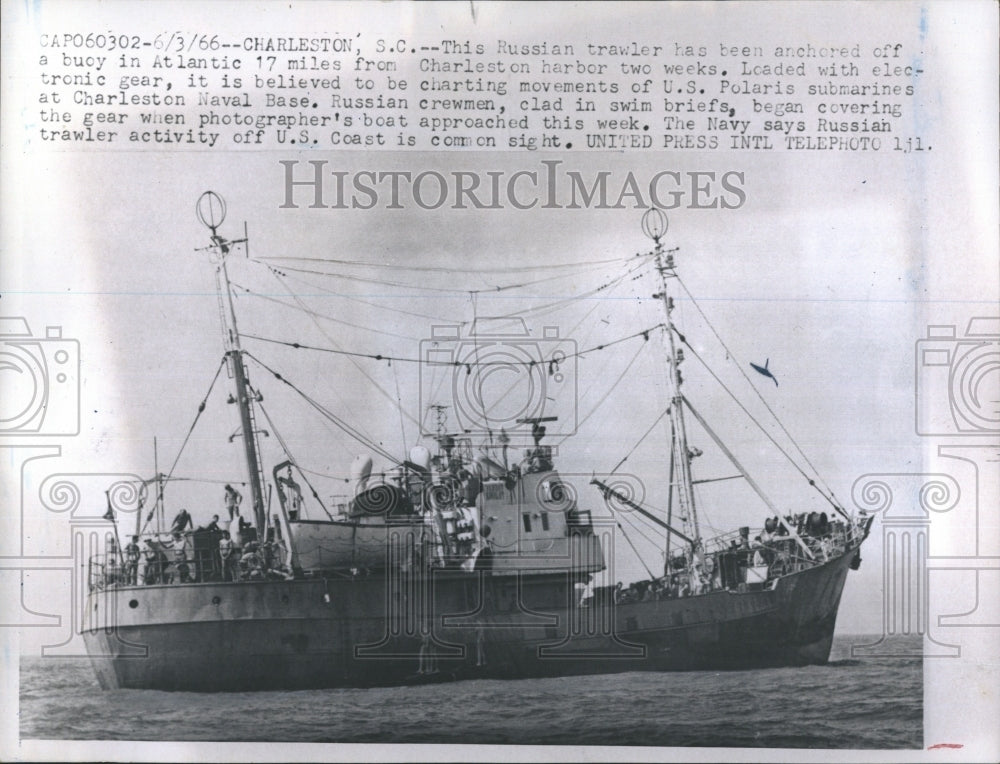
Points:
[[654, 225], [211, 211]]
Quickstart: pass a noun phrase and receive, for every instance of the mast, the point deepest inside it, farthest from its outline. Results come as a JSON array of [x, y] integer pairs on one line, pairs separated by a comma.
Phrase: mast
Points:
[[211, 211], [654, 225]]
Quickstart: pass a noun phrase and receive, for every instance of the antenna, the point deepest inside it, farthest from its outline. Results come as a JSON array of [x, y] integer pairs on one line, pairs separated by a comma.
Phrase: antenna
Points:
[[211, 211]]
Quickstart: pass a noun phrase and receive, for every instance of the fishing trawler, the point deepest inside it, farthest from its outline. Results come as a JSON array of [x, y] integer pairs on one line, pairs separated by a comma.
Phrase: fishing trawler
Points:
[[458, 561]]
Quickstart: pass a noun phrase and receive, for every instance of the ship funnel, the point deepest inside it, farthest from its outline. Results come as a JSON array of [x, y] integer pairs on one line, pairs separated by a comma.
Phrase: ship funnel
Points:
[[421, 456], [361, 470]]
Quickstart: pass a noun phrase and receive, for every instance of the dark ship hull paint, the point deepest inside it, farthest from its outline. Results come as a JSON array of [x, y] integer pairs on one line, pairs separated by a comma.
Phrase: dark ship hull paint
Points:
[[347, 632]]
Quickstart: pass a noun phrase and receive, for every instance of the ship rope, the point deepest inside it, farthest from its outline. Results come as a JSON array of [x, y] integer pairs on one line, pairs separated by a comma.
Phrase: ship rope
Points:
[[638, 443], [610, 390], [609, 281], [316, 314], [636, 551], [633, 521], [197, 416], [831, 498], [610, 286], [760, 426], [644, 333], [386, 394], [440, 268], [188, 479], [340, 293], [606, 285], [426, 287], [291, 458], [325, 412]]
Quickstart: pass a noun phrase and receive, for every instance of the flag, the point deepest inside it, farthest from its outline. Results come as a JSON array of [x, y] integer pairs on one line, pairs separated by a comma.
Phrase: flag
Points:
[[110, 514]]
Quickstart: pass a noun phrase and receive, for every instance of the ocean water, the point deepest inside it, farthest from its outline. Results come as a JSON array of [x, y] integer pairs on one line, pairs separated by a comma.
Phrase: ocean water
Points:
[[849, 703]]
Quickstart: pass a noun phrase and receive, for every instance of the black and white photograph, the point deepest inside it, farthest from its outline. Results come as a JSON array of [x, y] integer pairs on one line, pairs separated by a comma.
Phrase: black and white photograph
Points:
[[500, 381]]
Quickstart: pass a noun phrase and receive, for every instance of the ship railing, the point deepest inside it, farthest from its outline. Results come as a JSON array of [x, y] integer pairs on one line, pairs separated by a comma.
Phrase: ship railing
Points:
[[186, 566], [728, 568], [107, 570], [838, 533]]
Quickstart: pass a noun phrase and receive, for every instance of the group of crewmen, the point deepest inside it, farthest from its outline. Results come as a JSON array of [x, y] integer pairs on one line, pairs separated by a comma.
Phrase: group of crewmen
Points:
[[228, 556], [825, 539]]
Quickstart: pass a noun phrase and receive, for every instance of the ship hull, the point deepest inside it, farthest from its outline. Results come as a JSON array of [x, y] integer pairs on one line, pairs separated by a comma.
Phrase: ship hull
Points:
[[364, 632]]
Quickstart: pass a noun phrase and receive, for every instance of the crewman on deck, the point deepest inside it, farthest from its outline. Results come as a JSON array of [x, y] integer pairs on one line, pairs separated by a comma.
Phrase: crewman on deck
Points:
[[154, 571], [181, 565], [181, 522], [274, 532], [759, 558], [226, 555], [232, 499], [132, 561], [251, 565]]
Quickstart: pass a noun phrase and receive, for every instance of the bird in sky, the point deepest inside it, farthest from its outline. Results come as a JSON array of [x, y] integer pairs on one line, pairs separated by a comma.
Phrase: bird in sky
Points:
[[765, 371]]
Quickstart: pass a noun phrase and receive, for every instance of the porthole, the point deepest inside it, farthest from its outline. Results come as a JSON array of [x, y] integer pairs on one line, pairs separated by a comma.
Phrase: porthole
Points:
[[133, 604], [284, 598], [216, 600]]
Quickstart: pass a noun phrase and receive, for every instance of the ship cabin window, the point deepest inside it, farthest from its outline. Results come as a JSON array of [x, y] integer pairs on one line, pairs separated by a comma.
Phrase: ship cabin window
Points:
[[494, 490], [545, 521], [526, 518]]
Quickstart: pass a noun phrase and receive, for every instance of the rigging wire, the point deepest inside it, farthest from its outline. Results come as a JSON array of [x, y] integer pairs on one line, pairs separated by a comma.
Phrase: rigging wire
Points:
[[425, 287], [197, 416], [291, 458], [389, 308], [537, 310], [399, 400], [634, 550], [194, 480], [607, 392], [664, 413], [632, 521], [555, 305], [441, 268], [764, 401], [346, 428], [753, 419], [327, 475], [365, 374], [601, 374], [316, 314], [405, 359]]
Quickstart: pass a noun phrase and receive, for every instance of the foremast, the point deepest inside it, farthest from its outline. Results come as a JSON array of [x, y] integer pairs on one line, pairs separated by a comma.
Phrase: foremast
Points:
[[654, 225], [211, 211]]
